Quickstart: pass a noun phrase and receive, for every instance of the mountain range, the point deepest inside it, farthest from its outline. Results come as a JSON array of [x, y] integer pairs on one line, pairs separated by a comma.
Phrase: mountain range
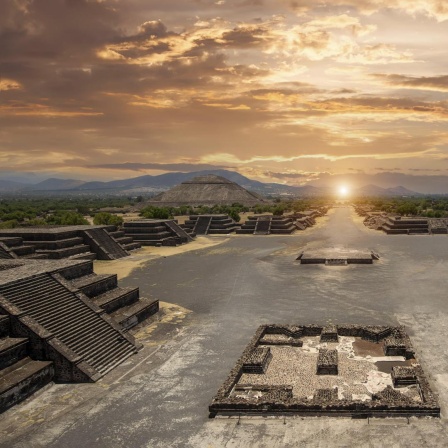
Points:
[[148, 184]]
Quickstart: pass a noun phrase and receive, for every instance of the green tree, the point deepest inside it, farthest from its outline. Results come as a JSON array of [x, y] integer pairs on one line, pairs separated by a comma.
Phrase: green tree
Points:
[[107, 219], [233, 213]]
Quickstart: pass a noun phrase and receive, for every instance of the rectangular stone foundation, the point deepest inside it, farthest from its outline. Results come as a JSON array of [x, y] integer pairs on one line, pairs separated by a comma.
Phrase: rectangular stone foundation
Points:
[[253, 389]]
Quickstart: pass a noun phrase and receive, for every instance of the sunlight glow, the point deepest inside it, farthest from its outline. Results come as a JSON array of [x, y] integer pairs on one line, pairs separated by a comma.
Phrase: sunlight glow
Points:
[[343, 191]]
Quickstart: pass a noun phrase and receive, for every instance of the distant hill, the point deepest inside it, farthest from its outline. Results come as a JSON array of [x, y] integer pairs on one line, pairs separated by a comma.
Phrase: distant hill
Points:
[[374, 190], [57, 184], [148, 184], [11, 186]]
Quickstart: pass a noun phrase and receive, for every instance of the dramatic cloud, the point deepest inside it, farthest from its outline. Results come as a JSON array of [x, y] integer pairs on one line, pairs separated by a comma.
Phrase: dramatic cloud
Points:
[[279, 90], [437, 83]]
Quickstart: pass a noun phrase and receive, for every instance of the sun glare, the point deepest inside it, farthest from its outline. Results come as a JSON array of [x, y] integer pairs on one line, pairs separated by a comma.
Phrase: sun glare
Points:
[[343, 191]]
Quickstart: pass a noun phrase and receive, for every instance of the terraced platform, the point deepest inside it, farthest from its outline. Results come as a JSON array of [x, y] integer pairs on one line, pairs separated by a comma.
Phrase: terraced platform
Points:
[[60, 320], [58, 242], [156, 232]]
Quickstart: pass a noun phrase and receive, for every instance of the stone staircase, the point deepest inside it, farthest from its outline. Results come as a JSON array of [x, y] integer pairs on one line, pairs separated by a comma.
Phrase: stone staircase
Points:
[[268, 225], [71, 320], [202, 225], [20, 376], [263, 226], [220, 224], [105, 247], [179, 231], [126, 242]]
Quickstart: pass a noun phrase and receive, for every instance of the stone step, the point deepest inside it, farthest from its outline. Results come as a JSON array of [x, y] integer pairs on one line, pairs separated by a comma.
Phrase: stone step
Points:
[[12, 350], [21, 251], [130, 231], [18, 289], [116, 234], [108, 367], [77, 271], [58, 244], [245, 231], [223, 231], [71, 334], [36, 256], [116, 298], [124, 240], [170, 241], [22, 379], [84, 256], [84, 340], [53, 318], [109, 350], [57, 254], [37, 286], [93, 285], [132, 315], [131, 246]]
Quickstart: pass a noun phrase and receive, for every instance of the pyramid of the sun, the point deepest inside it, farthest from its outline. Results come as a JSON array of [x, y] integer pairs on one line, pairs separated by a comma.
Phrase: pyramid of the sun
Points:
[[206, 190]]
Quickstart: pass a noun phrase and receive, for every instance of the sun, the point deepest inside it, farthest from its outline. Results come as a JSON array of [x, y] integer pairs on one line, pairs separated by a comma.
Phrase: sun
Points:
[[343, 190]]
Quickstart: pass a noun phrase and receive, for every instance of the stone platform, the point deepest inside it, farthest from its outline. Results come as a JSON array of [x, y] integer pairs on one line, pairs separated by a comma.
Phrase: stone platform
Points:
[[344, 377], [59, 242], [337, 257]]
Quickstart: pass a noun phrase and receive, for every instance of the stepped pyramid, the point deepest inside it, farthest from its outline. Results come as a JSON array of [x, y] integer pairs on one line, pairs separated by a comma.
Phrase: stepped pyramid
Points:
[[206, 190], [59, 320]]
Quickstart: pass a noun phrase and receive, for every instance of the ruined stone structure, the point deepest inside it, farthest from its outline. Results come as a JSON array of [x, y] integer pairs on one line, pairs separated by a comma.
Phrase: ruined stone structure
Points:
[[58, 242], [206, 190], [335, 257], [60, 321], [157, 232], [307, 218], [211, 224], [252, 386], [398, 225], [266, 225]]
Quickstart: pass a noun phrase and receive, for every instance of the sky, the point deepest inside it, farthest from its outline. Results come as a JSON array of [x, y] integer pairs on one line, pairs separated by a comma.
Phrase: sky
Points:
[[288, 91]]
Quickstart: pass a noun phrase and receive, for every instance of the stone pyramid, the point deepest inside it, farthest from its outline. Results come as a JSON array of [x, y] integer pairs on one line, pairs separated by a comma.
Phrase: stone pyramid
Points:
[[206, 190]]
